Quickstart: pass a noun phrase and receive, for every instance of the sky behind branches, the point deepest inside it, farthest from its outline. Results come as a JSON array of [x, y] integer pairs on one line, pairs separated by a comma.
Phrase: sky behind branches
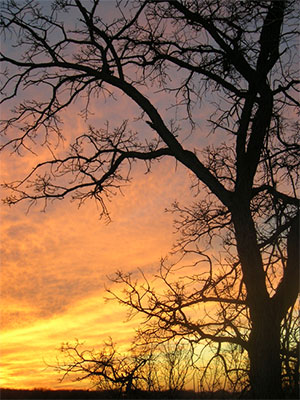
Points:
[[55, 262], [54, 266]]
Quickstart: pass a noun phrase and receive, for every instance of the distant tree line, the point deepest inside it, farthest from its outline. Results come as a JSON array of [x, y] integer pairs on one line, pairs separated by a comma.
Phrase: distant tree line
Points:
[[147, 367], [175, 365]]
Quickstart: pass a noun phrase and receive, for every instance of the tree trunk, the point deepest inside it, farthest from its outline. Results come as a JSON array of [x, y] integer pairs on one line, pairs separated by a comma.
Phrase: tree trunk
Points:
[[264, 341], [264, 355]]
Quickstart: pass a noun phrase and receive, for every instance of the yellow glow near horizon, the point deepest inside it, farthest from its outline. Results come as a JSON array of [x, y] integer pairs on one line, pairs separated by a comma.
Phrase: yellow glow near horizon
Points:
[[55, 266], [27, 351]]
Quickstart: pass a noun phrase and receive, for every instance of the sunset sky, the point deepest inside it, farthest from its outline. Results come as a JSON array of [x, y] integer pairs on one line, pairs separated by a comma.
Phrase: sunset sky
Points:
[[54, 264]]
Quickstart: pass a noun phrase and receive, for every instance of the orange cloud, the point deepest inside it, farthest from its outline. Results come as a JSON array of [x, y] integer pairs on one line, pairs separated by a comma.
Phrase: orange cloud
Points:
[[55, 266], [29, 353]]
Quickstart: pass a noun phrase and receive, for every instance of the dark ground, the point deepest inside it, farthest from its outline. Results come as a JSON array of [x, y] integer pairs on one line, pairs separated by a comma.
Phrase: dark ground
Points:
[[40, 394]]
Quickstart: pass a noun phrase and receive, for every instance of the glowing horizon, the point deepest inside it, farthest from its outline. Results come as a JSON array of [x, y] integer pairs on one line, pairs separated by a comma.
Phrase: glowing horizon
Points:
[[55, 267], [54, 264]]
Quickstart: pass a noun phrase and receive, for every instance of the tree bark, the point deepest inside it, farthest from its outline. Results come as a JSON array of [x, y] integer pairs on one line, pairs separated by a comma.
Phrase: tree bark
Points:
[[264, 341], [266, 313], [264, 355]]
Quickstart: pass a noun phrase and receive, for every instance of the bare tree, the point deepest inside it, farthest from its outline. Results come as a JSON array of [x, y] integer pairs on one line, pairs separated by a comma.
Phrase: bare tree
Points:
[[162, 367], [290, 349], [176, 364], [107, 368], [206, 309], [241, 58]]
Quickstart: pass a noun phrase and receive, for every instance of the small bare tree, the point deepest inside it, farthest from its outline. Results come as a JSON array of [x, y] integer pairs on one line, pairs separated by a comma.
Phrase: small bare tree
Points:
[[290, 349], [106, 368], [144, 367], [176, 364]]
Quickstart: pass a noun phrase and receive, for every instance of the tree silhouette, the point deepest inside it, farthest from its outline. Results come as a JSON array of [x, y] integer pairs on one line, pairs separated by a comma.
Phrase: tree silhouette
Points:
[[290, 350], [107, 368], [143, 367], [239, 57], [176, 364]]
